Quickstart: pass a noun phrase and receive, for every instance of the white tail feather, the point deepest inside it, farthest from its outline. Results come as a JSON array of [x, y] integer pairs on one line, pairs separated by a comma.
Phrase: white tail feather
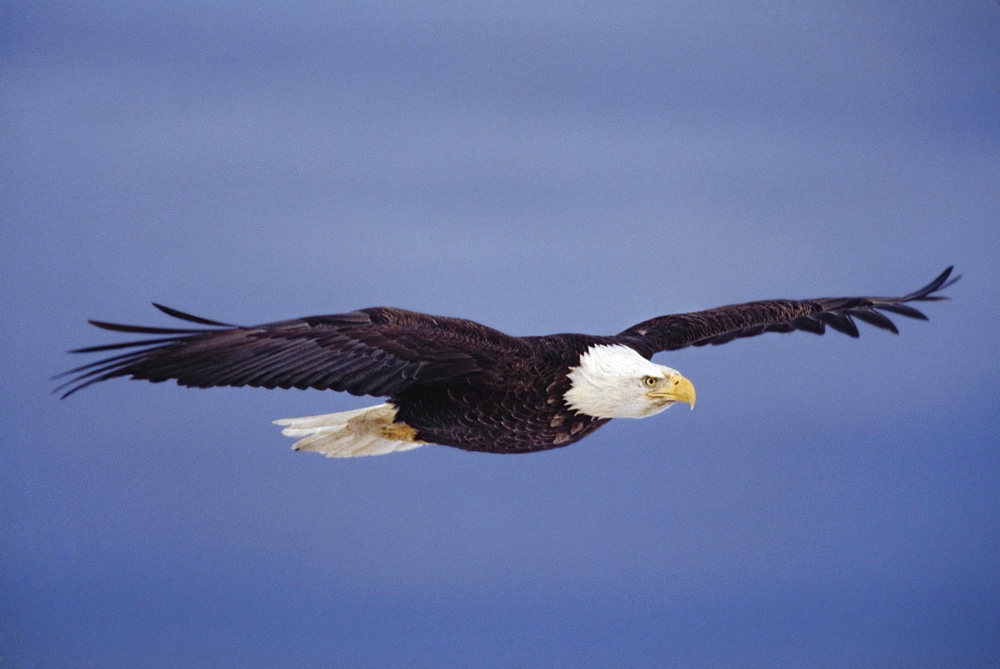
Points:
[[347, 434]]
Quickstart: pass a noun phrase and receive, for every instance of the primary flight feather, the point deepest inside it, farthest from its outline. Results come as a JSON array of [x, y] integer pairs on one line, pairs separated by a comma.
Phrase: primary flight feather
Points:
[[456, 382]]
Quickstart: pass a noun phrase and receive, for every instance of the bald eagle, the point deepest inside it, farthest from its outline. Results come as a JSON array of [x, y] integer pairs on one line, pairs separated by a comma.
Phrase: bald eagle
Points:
[[455, 382]]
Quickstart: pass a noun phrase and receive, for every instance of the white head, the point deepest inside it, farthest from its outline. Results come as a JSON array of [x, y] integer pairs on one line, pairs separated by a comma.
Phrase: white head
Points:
[[613, 381]]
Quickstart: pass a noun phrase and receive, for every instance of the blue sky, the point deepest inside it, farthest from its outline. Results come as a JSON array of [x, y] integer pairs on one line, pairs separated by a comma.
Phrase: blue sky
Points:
[[566, 167]]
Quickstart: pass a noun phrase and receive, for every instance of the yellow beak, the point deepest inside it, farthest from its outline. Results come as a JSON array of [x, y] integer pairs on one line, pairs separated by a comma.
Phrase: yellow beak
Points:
[[676, 389]]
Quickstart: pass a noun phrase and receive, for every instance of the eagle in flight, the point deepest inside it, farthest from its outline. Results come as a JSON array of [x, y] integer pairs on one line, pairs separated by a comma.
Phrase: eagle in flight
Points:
[[456, 382]]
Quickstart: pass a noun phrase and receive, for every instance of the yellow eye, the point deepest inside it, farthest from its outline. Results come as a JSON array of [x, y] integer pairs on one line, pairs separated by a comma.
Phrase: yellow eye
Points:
[[649, 381]]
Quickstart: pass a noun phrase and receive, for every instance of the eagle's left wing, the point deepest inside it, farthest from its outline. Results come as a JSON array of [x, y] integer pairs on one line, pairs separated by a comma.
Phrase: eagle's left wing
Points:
[[723, 324]]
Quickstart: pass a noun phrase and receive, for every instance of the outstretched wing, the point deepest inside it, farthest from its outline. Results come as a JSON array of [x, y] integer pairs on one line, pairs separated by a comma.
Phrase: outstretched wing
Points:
[[723, 324], [378, 351]]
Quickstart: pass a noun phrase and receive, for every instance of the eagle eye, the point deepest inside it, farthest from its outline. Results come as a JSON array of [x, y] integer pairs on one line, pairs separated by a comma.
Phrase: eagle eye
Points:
[[649, 381]]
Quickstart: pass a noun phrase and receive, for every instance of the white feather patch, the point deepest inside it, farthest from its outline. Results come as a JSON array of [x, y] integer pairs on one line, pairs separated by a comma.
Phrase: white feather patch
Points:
[[608, 383], [349, 433]]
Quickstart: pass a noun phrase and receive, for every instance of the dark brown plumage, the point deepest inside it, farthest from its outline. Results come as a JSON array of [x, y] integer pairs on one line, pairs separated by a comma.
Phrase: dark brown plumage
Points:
[[453, 381]]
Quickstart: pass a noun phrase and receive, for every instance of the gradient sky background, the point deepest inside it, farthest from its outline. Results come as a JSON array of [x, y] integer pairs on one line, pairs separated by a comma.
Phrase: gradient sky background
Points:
[[539, 167]]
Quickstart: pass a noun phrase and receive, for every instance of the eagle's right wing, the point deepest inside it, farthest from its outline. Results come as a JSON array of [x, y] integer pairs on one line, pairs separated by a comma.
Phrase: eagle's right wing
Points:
[[379, 351]]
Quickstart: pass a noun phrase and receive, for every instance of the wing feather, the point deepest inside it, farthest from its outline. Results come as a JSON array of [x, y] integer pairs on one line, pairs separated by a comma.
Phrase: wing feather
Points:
[[724, 324], [378, 351]]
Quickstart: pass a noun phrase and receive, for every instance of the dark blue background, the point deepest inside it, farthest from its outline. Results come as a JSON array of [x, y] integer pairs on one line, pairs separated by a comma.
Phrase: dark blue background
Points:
[[540, 167]]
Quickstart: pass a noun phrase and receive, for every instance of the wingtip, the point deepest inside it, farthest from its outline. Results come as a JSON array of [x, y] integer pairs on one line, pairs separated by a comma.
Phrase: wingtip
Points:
[[946, 279], [184, 316], [943, 281], [940, 282]]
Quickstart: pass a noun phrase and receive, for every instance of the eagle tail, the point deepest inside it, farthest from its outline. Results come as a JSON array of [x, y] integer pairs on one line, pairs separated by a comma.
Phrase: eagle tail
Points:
[[368, 431]]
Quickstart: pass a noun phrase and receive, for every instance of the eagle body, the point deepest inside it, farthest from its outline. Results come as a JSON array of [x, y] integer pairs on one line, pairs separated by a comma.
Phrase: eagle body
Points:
[[459, 383], [522, 409]]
